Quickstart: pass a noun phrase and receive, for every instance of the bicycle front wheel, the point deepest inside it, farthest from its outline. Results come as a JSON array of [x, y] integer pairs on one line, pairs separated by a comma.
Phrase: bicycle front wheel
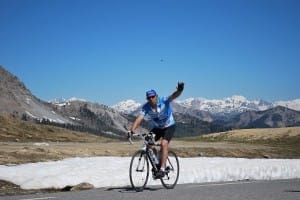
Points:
[[172, 171], [139, 170]]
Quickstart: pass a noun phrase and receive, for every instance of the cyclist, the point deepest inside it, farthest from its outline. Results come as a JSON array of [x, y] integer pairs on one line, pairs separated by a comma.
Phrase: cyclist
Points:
[[159, 110]]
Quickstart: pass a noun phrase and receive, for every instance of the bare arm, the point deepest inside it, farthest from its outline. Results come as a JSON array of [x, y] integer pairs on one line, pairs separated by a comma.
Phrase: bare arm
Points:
[[136, 123], [178, 92], [175, 95]]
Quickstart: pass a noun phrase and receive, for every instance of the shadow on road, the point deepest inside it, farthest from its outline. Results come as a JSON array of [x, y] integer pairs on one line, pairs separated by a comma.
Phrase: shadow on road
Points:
[[130, 189], [292, 191]]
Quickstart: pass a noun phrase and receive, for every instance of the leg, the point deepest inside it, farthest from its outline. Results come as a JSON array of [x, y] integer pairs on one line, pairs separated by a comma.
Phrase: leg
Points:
[[164, 152], [167, 136]]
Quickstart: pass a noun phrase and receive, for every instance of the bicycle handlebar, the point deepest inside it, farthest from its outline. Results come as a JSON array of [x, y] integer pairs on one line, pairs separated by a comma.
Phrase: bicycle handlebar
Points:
[[129, 136], [144, 137]]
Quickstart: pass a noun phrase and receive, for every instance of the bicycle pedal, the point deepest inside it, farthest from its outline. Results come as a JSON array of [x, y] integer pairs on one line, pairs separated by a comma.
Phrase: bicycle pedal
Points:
[[168, 169]]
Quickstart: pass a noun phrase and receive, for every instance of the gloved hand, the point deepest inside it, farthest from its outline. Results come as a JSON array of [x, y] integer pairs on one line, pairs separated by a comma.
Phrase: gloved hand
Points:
[[180, 86], [129, 134]]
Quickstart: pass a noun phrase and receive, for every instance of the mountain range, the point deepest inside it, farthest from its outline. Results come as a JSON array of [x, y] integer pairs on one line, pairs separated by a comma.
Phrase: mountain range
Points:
[[203, 115], [231, 105], [194, 116]]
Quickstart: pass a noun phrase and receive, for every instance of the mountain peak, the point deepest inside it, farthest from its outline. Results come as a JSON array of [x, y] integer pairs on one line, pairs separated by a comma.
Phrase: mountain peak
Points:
[[62, 101], [17, 100], [10, 82], [238, 98], [293, 104], [127, 106]]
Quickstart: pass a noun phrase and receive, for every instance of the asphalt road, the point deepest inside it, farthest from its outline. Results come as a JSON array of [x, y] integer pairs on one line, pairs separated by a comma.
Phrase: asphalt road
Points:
[[254, 190]]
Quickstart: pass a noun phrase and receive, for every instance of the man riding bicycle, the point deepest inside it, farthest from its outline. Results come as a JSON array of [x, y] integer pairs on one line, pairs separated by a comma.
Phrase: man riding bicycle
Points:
[[159, 110]]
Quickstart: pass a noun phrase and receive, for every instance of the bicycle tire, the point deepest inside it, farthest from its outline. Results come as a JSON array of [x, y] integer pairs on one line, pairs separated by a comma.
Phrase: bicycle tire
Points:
[[169, 181], [139, 170]]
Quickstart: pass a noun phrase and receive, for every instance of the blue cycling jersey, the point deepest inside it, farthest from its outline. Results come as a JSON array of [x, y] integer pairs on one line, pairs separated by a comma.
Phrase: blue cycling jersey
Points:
[[162, 117]]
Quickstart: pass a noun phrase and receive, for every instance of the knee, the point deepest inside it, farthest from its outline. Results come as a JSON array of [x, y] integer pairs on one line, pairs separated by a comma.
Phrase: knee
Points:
[[164, 143]]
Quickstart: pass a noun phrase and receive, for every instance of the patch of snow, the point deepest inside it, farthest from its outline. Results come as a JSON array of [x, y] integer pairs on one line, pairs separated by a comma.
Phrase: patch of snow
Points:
[[113, 171], [41, 144]]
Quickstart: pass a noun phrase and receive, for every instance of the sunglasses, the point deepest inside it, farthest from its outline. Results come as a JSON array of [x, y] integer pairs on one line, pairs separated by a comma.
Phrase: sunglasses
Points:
[[151, 97]]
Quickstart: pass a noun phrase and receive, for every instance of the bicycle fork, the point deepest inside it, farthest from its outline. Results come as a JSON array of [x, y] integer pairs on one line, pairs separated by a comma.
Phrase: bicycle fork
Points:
[[141, 164]]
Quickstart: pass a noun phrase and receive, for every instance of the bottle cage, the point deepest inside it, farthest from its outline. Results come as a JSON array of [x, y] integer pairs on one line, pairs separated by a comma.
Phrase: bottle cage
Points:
[[150, 138]]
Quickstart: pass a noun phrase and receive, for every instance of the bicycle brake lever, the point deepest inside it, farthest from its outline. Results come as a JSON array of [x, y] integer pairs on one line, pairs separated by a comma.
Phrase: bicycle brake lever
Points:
[[129, 138]]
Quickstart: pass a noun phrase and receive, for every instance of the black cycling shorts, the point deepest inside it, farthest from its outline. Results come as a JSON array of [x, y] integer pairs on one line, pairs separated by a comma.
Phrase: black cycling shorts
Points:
[[164, 133]]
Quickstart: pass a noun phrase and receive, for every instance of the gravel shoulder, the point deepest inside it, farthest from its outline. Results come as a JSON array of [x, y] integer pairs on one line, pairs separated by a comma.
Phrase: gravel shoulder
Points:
[[20, 153]]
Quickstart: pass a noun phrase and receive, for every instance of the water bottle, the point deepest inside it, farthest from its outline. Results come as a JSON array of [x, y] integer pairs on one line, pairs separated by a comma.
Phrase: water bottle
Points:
[[153, 156], [158, 156]]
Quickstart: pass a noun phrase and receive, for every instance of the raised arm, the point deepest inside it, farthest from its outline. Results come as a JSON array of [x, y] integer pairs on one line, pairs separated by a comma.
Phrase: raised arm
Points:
[[177, 93]]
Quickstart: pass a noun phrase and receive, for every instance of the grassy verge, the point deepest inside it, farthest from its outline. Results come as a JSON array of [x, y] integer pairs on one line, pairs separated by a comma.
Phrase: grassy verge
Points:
[[275, 142]]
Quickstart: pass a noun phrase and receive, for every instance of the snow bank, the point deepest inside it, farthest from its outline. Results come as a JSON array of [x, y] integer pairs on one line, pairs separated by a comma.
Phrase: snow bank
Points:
[[113, 171]]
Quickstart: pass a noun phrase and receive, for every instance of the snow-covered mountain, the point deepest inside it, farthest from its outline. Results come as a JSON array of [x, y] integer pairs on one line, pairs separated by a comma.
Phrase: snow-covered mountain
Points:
[[293, 104], [230, 105], [127, 106], [64, 102]]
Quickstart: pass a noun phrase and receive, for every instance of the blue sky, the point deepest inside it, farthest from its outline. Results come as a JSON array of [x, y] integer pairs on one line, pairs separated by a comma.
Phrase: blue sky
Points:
[[109, 51]]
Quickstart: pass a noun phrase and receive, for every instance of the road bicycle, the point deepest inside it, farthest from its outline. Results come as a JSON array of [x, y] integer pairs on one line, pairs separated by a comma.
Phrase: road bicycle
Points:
[[139, 169]]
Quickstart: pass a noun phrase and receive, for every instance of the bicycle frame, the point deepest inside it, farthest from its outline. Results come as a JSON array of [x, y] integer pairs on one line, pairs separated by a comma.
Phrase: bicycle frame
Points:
[[139, 165], [146, 148]]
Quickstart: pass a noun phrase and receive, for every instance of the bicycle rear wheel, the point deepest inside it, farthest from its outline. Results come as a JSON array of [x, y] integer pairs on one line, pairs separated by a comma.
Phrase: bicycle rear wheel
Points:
[[172, 171], [139, 170]]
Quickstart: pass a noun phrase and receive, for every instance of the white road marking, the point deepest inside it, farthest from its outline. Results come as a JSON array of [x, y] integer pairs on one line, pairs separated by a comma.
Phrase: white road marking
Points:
[[40, 198], [228, 183], [235, 183]]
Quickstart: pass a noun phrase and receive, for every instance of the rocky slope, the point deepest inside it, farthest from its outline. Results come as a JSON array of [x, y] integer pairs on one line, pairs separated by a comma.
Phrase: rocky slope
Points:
[[17, 101]]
